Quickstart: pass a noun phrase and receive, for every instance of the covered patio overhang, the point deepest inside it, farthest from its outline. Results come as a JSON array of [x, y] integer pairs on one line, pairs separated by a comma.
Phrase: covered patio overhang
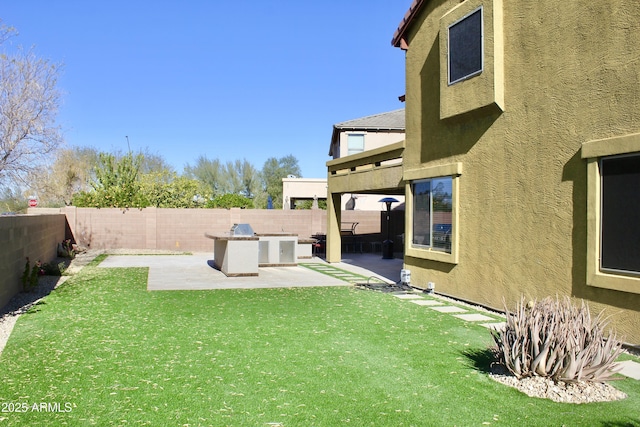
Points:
[[377, 171]]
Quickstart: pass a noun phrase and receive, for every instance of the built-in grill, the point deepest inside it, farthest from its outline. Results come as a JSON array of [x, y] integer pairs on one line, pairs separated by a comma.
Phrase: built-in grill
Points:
[[240, 251], [239, 230]]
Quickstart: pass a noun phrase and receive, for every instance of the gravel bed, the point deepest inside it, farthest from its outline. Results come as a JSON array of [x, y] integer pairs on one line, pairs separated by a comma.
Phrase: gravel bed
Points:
[[22, 302], [545, 388]]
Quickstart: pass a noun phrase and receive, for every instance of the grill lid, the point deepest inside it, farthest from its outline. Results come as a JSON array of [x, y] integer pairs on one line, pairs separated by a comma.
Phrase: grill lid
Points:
[[242, 230]]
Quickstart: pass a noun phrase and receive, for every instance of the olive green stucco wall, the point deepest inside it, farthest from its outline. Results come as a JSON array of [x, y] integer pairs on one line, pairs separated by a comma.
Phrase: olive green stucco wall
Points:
[[571, 74]]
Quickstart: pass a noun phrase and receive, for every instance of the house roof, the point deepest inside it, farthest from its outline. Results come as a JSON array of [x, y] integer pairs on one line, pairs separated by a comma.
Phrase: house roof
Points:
[[398, 37], [389, 121]]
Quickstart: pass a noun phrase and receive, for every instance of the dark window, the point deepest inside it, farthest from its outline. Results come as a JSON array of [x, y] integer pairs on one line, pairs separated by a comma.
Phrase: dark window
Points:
[[465, 47], [620, 214]]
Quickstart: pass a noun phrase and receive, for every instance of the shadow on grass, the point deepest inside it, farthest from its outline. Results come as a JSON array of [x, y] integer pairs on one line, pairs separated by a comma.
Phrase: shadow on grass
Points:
[[630, 423], [481, 359], [23, 301]]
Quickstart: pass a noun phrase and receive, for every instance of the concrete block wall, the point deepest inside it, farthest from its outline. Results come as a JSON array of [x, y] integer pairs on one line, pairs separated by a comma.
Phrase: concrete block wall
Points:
[[22, 236], [183, 229], [369, 222]]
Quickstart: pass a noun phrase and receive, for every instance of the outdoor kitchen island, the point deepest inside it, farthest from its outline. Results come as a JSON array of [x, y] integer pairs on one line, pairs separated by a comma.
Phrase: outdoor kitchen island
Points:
[[235, 256], [240, 251]]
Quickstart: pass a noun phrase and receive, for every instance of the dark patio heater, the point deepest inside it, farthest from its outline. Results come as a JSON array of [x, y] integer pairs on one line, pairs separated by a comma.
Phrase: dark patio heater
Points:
[[387, 245]]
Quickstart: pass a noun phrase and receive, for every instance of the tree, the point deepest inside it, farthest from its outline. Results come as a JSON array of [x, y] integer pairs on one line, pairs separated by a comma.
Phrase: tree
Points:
[[116, 183], [171, 191], [230, 201], [71, 172], [119, 181], [272, 173], [210, 172], [29, 100], [11, 201], [242, 178], [238, 177], [151, 162]]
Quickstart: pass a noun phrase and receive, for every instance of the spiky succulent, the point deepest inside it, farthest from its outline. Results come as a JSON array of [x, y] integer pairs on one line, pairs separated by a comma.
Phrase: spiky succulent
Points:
[[556, 339]]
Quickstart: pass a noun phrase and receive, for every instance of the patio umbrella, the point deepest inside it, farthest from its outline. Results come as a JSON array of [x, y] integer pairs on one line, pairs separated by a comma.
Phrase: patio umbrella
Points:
[[269, 203]]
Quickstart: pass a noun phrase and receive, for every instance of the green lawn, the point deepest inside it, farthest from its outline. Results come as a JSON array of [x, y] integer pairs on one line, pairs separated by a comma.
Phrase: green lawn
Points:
[[102, 350]]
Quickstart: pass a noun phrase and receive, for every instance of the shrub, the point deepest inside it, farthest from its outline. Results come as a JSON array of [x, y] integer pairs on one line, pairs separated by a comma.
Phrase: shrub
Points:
[[30, 275], [230, 201], [555, 339], [66, 250], [51, 269]]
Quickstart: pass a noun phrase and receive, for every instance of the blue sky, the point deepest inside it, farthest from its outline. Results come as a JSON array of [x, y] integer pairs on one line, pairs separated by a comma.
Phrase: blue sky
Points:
[[226, 79]]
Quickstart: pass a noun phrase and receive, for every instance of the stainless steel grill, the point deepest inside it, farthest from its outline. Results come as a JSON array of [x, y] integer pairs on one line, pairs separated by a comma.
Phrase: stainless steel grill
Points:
[[241, 230]]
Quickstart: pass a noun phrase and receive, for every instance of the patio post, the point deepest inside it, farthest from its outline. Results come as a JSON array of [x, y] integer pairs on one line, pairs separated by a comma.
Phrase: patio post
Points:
[[334, 216]]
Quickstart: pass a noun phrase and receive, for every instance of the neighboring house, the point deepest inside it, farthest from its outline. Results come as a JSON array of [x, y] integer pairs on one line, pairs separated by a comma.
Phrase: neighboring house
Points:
[[357, 138], [364, 134], [296, 189], [521, 165], [315, 189]]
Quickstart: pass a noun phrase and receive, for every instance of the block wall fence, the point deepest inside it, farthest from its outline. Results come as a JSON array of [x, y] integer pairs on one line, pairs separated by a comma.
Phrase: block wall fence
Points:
[[184, 229], [22, 236]]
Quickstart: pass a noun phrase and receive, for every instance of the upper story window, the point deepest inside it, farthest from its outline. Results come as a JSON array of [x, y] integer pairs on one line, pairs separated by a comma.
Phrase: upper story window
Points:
[[355, 143], [620, 214], [471, 41], [465, 47]]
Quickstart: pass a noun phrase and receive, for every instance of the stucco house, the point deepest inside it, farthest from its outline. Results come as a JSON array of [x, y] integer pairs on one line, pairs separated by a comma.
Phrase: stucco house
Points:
[[296, 189], [356, 136], [351, 138], [523, 142], [366, 133]]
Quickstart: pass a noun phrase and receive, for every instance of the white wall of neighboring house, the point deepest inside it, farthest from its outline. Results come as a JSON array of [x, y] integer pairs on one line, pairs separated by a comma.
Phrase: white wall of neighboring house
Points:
[[302, 188], [308, 188], [371, 140], [371, 202]]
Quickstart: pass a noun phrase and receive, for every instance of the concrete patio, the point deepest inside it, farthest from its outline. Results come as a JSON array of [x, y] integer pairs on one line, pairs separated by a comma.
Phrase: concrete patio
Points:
[[196, 272]]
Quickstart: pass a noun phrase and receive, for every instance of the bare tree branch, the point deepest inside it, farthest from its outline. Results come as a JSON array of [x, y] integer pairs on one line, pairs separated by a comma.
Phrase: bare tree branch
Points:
[[29, 101]]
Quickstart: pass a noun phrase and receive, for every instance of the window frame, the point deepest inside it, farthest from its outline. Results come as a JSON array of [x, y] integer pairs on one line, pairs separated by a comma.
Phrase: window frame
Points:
[[410, 176], [483, 90], [349, 136], [593, 152], [601, 256], [431, 229], [474, 73]]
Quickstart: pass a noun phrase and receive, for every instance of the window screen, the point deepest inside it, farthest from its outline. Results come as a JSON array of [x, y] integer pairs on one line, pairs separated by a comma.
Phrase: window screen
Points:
[[620, 214], [465, 47]]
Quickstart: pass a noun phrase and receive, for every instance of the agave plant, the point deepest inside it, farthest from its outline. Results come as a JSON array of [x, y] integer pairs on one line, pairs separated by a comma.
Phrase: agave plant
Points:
[[556, 339]]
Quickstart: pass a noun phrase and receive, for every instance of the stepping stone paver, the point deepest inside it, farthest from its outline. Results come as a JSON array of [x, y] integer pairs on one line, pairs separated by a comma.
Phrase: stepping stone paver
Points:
[[630, 369], [495, 326], [426, 302], [473, 317], [448, 309], [408, 296]]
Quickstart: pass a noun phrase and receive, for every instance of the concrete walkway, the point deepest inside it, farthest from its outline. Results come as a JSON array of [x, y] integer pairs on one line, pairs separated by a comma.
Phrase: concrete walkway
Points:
[[191, 272]]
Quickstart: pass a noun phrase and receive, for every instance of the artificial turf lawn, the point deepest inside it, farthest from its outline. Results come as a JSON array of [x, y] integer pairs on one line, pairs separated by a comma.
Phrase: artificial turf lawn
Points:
[[108, 352]]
